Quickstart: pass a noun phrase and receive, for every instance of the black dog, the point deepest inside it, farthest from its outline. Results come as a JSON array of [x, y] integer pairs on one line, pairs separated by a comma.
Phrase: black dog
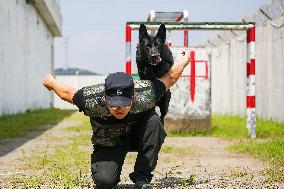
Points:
[[154, 59]]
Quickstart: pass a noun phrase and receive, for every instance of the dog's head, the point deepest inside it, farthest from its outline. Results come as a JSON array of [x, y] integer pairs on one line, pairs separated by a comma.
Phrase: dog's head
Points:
[[152, 45]]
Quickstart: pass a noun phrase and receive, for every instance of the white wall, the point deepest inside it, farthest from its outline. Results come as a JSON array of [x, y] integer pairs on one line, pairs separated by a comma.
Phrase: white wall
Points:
[[26, 55], [181, 105], [229, 67], [76, 82]]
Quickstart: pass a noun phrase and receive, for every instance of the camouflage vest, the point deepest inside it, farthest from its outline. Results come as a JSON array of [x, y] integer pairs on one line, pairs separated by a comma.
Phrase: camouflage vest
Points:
[[95, 106]]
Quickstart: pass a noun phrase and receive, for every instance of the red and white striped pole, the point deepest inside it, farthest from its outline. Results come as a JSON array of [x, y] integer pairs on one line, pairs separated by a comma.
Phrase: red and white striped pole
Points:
[[128, 49], [185, 32], [251, 114], [185, 39]]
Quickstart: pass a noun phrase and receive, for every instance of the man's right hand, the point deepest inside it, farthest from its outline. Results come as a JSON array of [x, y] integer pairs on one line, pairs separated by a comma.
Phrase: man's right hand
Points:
[[171, 77], [48, 81]]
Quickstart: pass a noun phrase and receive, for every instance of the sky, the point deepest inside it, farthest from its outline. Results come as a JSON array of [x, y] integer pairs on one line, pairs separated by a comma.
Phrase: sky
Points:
[[94, 30]]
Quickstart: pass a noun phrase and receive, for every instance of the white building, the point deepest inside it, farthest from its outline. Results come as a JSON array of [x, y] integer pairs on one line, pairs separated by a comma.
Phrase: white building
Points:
[[27, 31]]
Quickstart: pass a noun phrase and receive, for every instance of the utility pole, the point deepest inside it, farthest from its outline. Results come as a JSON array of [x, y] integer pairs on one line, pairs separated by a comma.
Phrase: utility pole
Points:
[[66, 45]]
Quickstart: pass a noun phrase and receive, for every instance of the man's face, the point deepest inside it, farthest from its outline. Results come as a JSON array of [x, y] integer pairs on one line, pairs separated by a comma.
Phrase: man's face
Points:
[[120, 112]]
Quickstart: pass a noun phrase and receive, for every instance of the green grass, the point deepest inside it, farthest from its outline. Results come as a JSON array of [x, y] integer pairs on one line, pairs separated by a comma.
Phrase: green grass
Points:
[[271, 150], [262, 149], [269, 145], [228, 126], [23, 123], [85, 126], [188, 133], [178, 150], [235, 127], [67, 166]]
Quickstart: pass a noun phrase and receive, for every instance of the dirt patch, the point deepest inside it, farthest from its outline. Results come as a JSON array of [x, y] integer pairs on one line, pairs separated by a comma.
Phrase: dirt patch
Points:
[[20, 147], [204, 162]]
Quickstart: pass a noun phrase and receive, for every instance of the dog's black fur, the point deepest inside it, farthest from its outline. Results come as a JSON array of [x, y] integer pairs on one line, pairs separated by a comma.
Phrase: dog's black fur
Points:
[[154, 59]]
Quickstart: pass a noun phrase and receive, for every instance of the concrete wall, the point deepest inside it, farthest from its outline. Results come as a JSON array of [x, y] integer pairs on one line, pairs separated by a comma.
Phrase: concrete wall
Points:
[[185, 113], [228, 59], [76, 82], [26, 55], [228, 79], [181, 105]]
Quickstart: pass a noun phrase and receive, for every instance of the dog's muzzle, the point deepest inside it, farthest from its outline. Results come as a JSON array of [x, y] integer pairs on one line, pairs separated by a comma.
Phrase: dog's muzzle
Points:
[[156, 60]]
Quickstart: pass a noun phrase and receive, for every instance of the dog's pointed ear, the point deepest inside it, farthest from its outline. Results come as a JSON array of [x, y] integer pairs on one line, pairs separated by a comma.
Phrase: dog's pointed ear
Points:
[[162, 33], [143, 32]]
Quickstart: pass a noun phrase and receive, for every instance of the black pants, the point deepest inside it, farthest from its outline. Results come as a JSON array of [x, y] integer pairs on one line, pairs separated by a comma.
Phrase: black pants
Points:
[[146, 137]]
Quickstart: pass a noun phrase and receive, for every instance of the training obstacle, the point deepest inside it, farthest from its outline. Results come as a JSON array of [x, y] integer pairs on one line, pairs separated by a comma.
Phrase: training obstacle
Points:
[[250, 63]]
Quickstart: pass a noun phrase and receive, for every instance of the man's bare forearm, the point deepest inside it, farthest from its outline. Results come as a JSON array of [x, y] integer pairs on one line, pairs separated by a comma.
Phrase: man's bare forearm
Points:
[[171, 77], [64, 92]]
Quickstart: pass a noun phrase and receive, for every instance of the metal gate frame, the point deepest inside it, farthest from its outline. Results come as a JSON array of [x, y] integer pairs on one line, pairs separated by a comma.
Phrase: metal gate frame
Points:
[[249, 27]]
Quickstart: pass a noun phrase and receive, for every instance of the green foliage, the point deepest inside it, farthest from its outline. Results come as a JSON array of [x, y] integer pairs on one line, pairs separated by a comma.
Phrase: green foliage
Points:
[[73, 71]]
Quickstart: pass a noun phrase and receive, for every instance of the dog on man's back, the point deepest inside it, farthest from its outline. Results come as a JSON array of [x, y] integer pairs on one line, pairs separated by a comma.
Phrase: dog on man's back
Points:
[[154, 59]]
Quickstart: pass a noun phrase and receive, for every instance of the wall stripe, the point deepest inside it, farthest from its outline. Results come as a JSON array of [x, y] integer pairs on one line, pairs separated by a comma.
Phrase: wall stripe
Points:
[[192, 75]]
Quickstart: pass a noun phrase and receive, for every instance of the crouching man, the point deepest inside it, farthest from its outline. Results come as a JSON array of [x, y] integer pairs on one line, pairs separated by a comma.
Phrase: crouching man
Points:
[[123, 119]]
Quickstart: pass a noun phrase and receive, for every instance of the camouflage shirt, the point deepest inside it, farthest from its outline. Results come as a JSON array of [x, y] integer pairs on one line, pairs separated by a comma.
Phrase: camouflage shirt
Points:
[[107, 130]]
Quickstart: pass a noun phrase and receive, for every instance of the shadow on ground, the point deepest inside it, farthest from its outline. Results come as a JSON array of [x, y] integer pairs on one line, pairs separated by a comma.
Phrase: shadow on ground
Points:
[[9, 144]]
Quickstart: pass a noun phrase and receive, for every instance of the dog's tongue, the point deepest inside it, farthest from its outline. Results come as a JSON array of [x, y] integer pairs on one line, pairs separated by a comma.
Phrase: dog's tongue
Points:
[[158, 59]]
